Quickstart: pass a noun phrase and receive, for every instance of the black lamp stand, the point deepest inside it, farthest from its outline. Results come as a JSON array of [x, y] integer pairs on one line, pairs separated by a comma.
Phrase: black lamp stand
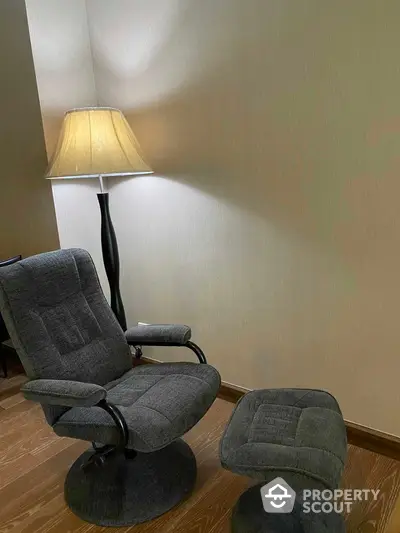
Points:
[[109, 248]]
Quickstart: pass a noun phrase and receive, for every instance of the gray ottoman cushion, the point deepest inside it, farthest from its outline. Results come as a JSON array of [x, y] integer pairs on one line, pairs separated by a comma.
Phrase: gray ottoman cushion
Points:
[[297, 430], [153, 334]]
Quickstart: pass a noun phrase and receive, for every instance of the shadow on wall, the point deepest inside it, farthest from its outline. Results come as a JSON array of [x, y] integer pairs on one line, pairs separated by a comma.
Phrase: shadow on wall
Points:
[[63, 61], [276, 107]]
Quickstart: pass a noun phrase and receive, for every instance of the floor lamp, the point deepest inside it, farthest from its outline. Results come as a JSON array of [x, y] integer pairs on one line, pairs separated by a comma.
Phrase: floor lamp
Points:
[[97, 142]]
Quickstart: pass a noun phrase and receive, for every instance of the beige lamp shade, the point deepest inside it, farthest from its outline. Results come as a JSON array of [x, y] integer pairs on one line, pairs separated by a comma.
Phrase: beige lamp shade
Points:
[[96, 141]]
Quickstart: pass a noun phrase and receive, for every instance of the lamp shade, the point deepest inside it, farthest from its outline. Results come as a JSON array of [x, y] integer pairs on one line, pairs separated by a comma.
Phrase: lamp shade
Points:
[[96, 141]]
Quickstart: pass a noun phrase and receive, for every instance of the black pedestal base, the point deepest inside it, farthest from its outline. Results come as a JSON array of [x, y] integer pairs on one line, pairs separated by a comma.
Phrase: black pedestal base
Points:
[[249, 516], [130, 491]]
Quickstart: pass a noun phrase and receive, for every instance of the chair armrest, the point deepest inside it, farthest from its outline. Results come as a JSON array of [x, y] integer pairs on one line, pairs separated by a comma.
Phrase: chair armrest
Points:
[[10, 261], [76, 394], [158, 335], [63, 392]]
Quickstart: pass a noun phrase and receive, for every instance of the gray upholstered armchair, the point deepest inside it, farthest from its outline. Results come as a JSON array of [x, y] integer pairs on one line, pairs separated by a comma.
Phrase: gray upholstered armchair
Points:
[[80, 370]]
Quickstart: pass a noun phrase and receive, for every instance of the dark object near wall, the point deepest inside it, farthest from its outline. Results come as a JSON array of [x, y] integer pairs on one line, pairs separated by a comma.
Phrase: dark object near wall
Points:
[[4, 336]]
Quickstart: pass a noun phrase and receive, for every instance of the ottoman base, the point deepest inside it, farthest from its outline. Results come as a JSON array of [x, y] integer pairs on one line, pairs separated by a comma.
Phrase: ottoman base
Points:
[[249, 516]]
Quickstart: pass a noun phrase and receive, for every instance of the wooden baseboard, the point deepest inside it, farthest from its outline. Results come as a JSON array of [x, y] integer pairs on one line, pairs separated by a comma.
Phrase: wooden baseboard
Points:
[[358, 435], [231, 393], [373, 440]]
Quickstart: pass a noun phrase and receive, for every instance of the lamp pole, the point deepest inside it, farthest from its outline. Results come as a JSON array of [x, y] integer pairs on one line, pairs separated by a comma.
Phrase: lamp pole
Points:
[[109, 247]]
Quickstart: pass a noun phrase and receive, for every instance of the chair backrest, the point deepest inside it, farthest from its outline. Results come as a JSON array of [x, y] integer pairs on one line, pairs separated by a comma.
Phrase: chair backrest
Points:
[[3, 330], [59, 320]]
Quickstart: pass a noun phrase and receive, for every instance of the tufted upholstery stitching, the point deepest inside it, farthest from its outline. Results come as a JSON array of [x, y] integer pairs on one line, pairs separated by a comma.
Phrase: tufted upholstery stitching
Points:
[[292, 415], [154, 411], [139, 402], [262, 435], [80, 345]]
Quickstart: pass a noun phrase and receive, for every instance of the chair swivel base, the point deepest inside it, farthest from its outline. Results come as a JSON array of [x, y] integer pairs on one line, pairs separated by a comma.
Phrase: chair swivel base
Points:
[[249, 516], [124, 491]]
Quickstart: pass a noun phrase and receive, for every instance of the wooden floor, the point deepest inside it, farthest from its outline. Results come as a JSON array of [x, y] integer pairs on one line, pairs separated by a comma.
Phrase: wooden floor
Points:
[[34, 462]]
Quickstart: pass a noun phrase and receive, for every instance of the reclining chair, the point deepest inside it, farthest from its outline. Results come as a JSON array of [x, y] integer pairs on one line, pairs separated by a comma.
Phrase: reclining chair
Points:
[[80, 370]]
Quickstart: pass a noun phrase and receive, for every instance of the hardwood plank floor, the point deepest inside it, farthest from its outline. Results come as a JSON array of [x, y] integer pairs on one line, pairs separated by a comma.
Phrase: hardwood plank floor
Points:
[[34, 463]]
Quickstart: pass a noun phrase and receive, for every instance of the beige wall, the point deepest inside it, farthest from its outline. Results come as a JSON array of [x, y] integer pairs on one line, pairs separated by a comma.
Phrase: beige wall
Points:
[[64, 70], [271, 225], [28, 223], [63, 60]]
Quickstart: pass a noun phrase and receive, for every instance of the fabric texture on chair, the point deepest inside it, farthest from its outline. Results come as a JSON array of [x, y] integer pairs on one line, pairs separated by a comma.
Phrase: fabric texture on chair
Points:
[[299, 430], [63, 392], [60, 322], [159, 402], [173, 334]]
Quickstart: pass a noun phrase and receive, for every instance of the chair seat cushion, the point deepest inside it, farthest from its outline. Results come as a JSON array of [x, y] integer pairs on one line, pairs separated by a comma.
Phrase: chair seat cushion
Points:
[[161, 334], [300, 430], [160, 403]]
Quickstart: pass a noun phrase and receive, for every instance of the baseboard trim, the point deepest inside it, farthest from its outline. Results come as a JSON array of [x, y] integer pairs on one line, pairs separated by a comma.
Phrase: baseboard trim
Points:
[[373, 440], [231, 393], [357, 435]]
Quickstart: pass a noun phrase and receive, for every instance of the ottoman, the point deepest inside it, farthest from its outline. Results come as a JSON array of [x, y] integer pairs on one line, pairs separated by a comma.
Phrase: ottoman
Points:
[[296, 435]]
